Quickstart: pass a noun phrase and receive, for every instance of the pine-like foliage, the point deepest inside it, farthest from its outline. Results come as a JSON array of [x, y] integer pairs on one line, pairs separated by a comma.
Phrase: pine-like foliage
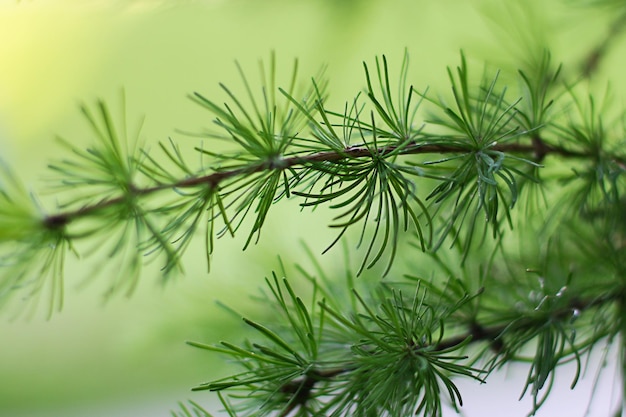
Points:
[[509, 196]]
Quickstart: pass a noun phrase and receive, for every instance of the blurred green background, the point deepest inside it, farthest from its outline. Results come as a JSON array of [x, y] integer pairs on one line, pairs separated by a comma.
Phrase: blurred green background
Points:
[[127, 357]]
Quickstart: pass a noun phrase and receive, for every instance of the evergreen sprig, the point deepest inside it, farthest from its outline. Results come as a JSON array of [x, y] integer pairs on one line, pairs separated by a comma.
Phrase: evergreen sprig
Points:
[[32, 257], [325, 361], [486, 160], [388, 354]]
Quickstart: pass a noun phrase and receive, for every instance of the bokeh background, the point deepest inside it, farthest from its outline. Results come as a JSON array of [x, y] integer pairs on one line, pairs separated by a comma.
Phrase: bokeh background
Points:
[[126, 356]]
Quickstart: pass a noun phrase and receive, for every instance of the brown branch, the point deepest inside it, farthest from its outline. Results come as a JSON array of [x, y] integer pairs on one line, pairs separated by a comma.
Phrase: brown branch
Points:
[[592, 60], [302, 388], [538, 149]]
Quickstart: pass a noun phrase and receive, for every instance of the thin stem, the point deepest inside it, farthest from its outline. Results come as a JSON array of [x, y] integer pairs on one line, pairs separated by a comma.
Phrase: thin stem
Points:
[[302, 388], [592, 60], [538, 149]]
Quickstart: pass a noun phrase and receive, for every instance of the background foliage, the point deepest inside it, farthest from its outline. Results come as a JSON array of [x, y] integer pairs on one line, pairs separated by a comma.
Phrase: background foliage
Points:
[[142, 39]]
